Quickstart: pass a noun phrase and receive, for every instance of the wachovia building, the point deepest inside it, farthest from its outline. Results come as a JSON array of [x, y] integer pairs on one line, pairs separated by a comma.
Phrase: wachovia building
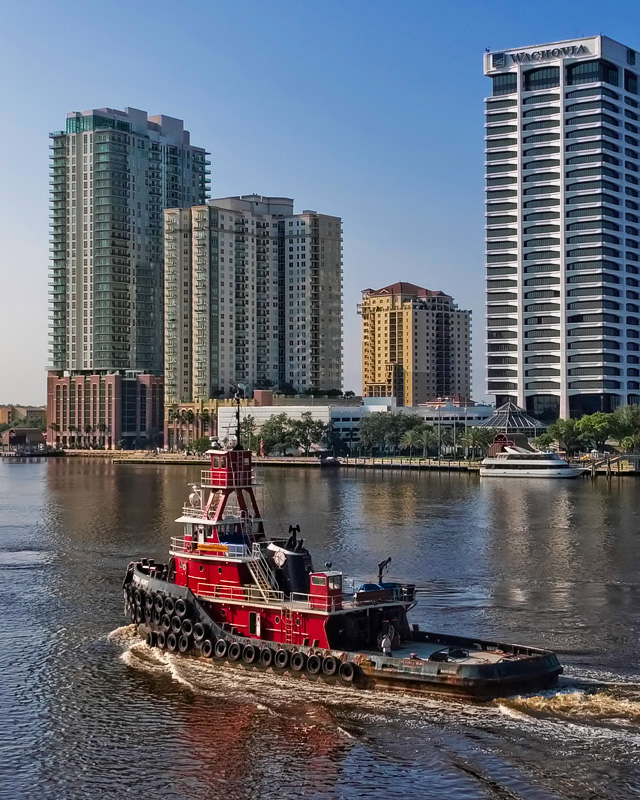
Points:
[[563, 226]]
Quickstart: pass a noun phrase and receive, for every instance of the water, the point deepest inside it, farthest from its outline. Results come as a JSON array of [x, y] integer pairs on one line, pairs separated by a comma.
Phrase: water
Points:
[[87, 710]]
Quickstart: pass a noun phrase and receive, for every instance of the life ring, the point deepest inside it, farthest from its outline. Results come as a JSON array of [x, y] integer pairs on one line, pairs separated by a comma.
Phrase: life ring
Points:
[[172, 643], [329, 665], [184, 644], [207, 648], [180, 608], [314, 664], [169, 605], [165, 623], [189, 547], [266, 656], [199, 632], [347, 671], [220, 648], [298, 661], [187, 626], [249, 654], [161, 640], [235, 651]]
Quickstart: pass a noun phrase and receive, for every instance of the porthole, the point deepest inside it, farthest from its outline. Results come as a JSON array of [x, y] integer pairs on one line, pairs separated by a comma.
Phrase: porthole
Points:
[[277, 620], [223, 612], [201, 568], [298, 622], [219, 570]]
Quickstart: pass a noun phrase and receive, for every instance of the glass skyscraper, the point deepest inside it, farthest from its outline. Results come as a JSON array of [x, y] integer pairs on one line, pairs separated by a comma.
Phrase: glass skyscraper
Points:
[[563, 221], [112, 175]]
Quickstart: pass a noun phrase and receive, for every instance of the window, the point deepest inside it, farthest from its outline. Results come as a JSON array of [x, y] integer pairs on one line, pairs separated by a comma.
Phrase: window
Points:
[[541, 112], [543, 78], [630, 81], [505, 84], [592, 72]]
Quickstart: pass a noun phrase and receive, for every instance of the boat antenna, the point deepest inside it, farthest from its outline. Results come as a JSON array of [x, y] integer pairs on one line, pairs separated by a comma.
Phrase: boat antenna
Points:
[[241, 388]]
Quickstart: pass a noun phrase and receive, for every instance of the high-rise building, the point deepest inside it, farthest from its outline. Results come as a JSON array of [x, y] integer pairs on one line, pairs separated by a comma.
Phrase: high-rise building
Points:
[[563, 226], [112, 175], [416, 345], [253, 294]]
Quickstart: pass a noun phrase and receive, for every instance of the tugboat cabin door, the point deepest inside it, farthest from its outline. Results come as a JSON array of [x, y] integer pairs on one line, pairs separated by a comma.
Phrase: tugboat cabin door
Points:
[[254, 624]]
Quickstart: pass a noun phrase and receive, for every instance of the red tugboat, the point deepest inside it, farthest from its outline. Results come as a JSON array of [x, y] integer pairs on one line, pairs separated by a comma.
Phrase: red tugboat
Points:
[[230, 594]]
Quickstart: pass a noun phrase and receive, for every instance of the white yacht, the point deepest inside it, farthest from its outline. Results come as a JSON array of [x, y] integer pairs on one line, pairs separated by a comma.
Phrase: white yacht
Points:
[[517, 462]]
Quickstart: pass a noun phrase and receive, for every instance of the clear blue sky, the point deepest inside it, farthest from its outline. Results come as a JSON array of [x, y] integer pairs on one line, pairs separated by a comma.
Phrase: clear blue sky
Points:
[[369, 110]]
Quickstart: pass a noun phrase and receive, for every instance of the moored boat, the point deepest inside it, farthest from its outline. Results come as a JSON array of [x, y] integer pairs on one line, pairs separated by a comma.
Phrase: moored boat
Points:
[[519, 462], [230, 594]]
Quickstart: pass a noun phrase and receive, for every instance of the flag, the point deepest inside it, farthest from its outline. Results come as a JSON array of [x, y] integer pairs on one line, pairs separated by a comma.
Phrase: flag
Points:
[[262, 447]]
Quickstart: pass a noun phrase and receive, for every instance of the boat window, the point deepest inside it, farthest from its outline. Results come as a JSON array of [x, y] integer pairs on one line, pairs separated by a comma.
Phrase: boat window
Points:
[[223, 462], [247, 460], [335, 582], [216, 462], [187, 529], [253, 623], [318, 580]]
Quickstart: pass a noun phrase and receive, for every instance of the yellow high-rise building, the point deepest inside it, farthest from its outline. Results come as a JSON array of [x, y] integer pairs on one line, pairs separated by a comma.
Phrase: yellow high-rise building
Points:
[[416, 345]]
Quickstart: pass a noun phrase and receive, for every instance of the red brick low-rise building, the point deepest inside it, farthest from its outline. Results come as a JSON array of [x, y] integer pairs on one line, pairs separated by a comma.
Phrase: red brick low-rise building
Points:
[[104, 409]]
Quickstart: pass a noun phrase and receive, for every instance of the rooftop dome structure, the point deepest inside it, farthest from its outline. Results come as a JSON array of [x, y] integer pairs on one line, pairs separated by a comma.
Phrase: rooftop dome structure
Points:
[[510, 418]]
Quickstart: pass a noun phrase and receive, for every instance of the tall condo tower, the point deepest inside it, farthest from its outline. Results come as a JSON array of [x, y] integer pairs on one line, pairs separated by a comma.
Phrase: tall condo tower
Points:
[[416, 345], [563, 221], [112, 175], [253, 294]]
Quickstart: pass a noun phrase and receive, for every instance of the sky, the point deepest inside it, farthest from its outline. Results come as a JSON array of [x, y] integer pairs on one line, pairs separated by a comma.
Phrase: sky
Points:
[[369, 110]]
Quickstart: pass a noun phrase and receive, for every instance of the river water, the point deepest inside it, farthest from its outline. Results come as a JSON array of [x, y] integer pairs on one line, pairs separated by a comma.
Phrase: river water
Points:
[[87, 710]]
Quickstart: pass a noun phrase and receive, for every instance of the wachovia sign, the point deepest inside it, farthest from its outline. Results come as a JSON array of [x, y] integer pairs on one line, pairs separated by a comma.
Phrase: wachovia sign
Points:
[[505, 59]]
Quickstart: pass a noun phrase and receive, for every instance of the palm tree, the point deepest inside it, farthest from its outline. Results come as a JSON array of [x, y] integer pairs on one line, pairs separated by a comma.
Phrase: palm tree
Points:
[[72, 431], [428, 437], [205, 416], [410, 439], [87, 430], [103, 429], [477, 438]]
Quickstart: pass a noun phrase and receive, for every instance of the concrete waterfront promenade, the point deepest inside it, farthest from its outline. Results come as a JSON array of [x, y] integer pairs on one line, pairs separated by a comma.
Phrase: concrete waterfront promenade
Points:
[[626, 465]]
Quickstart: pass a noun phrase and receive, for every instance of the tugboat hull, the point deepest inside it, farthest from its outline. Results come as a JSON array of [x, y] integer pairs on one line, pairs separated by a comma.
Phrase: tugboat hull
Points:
[[173, 618]]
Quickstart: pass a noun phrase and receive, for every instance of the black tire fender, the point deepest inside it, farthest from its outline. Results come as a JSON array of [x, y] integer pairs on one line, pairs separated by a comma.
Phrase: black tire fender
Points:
[[156, 617], [151, 639], [207, 648], [266, 656], [235, 651], [180, 608], [169, 605], [347, 671], [165, 623], [199, 632], [161, 640], [187, 626], [158, 603], [298, 661], [249, 654], [176, 624], [220, 648], [329, 665], [314, 665], [148, 601], [172, 642], [281, 658], [138, 614], [137, 597], [184, 644]]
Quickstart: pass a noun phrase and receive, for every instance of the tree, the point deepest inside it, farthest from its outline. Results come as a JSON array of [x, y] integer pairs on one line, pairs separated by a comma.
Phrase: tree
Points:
[[427, 438], [411, 439], [248, 428], [625, 427], [205, 417], [202, 444], [87, 429], [477, 439], [544, 441], [72, 431], [287, 389], [596, 428], [567, 434], [307, 431], [276, 434], [349, 393], [264, 383]]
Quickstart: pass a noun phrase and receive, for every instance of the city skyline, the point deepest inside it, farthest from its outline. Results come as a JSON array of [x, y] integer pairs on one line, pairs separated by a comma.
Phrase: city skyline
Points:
[[373, 123]]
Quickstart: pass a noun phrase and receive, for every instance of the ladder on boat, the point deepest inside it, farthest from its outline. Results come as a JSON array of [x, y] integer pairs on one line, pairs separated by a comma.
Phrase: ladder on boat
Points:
[[261, 573], [288, 626]]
